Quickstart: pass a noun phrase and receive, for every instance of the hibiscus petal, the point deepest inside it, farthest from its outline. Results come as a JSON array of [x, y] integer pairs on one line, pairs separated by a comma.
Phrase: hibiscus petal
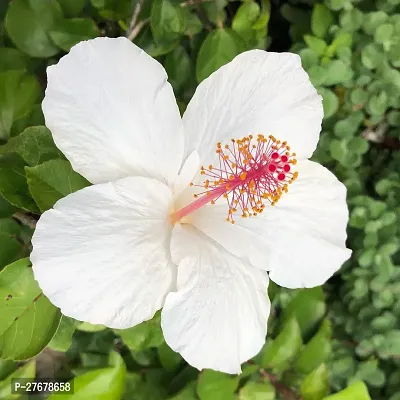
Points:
[[259, 93], [301, 240], [102, 254], [218, 317], [113, 113]]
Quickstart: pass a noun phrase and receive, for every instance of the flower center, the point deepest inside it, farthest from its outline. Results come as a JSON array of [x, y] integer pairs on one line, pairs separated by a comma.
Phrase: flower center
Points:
[[251, 172]]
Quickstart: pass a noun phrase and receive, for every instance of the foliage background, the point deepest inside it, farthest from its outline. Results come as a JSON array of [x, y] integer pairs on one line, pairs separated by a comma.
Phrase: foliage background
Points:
[[343, 338]]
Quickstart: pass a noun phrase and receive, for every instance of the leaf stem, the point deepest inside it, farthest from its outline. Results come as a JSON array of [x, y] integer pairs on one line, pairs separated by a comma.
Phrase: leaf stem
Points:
[[25, 219], [133, 29]]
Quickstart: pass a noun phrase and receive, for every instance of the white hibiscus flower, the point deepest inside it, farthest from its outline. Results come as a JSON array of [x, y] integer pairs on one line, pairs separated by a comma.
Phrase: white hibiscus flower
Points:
[[136, 241]]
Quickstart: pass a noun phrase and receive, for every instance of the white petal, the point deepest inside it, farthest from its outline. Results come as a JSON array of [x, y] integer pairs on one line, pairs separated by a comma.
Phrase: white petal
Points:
[[301, 240], [189, 169], [102, 254], [258, 92], [218, 317], [113, 113]]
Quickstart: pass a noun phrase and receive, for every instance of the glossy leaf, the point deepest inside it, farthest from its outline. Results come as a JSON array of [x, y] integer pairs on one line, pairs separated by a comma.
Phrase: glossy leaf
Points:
[[62, 339], [70, 32], [101, 384], [284, 348], [245, 18], [143, 336], [29, 22], [12, 59], [13, 184], [257, 391], [213, 385], [18, 93], [35, 145], [28, 319], [321, 20], [168, 358], [317, 350], [26, 372], [219, 47], [308, 307], [168, 20], [316, 385], [72, 8], [10, 249], [356, 391], [51, 181]]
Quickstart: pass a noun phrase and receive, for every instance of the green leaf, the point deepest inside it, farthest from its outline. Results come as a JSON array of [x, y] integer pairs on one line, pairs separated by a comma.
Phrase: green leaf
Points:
[[7, 367], [373, 20], [337, 4], [347, 127], [308, 307], [35, 145], [384, 33], [219, 47], [394, 118], [378, 104], [72, 8], [309, 58], [214, 385], [321, 20], [316, 351], [318, 75], [87, 327], [9, 226], [358, 145], [179, 68], [10, 249], [343, 40], [34, 117], [140, 387], [337, 72], [316, 385], [26, 372], [369, 372], [28, 23], [316, 44], [62, 340], [330, 102], [28, 319], [244, 19], [351, 20], [281, 351], [168, 358], [101, 384], [215, 11], [356, 391], [188, 393], [359, 96], [257, 391], [143, 336], [168, 20], [12, 59], [372, 55], [262, 22], [193, 24], [13, 185], [51, 181], [18, 93], [390, 347], [70, 32], [6, 209]]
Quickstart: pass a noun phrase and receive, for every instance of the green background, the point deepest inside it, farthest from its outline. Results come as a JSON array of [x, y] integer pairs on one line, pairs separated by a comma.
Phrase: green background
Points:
[[337, 342]]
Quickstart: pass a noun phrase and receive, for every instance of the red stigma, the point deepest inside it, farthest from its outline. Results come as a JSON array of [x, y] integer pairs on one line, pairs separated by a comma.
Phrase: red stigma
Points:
[[251, 171]]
